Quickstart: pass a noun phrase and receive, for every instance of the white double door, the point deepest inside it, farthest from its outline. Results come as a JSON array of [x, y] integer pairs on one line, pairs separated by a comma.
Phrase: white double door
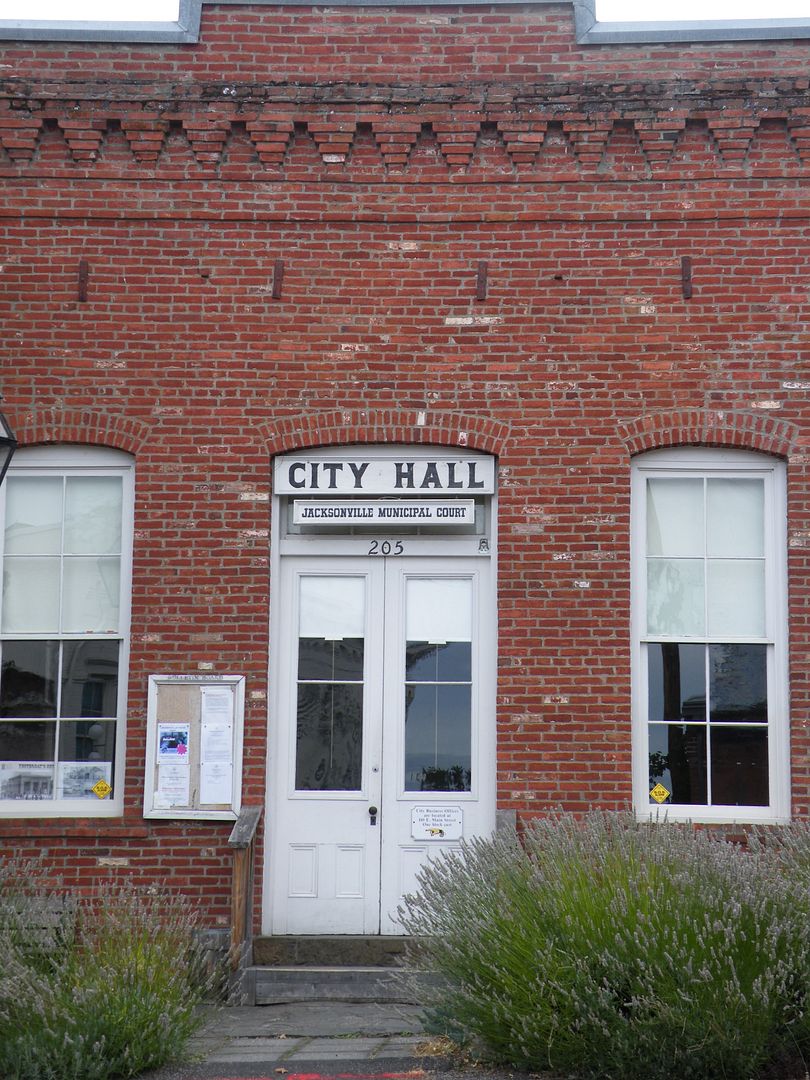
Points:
[[383, 735]]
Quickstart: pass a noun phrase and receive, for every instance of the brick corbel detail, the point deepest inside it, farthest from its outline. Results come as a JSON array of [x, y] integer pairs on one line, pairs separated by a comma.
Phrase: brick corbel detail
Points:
[[710, 427], [396, 136], [83, 137], [733, 135], [18, 133], [523, 137], [345, 427], [457, 139], [79, 426], [333, 138], [270, 133]]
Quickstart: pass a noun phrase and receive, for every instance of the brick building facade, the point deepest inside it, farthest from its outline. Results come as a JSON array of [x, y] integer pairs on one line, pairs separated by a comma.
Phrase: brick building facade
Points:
[[395, 237]]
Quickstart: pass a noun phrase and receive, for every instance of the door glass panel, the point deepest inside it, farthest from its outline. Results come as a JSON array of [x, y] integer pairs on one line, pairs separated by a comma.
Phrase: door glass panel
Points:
[[447, 662], [331, 657], [437, 737], [333, 607], [439, 609], [329, 744], [438, 684]]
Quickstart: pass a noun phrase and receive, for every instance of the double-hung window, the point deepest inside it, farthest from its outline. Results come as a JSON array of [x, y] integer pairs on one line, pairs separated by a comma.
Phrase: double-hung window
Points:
[[66, 531], [710, 635]]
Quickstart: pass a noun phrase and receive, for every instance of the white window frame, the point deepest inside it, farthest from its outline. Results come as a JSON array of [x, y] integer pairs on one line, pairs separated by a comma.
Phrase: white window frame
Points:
[[61, 460], [702, 462]]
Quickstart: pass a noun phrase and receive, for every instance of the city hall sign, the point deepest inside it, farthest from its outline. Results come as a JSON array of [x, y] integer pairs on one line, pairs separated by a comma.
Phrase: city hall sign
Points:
[[367, 475]]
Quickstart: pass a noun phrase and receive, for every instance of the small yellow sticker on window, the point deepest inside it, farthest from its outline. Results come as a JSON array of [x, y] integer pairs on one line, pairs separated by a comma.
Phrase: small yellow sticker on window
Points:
[[101, 788], [659, 793]]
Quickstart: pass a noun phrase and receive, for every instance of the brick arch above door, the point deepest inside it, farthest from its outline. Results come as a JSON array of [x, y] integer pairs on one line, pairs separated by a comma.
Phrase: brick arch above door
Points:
[[346, 426]]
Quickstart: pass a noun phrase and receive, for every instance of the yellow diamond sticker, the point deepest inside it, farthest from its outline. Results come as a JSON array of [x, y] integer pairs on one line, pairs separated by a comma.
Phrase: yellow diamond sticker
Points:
[[101, 788], [659, 793]]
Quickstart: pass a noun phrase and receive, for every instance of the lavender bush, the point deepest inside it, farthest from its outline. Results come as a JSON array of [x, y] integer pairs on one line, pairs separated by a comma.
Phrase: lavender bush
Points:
[[94, 987], [607, 948]]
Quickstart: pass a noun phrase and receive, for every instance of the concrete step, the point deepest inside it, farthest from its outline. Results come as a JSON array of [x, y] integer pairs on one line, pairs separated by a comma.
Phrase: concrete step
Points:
[[329, 951], [280, 984]]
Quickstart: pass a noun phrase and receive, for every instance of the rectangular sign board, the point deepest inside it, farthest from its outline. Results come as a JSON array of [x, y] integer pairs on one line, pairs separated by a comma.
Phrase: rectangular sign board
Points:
[[428, 512], [366, 475], [437, 822]]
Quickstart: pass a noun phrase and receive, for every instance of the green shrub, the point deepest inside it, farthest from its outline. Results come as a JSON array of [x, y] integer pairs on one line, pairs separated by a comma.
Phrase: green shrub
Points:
[[608, 948], [94, 987]]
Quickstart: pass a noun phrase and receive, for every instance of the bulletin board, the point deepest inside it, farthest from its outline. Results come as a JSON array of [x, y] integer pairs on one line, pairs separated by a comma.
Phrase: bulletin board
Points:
[[194, 746]]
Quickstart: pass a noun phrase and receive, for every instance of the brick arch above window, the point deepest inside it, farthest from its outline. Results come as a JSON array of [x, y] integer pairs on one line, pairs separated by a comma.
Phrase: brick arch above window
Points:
[[710, 427], [346, 426], [81, 426]]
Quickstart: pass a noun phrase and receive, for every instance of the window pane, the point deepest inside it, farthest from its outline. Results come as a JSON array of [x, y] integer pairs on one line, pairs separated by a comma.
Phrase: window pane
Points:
[[678, 761], [27, 740], [29, 780], [739, 766], [675, 597], [329, 747], [91, 596], [738, 684], [89, 678], [93, 515], [438, 609], [33, 515], [30, 595], [87, 740], [735, 510], [332, 607], [450, 662], [736, 598], [28, 678], [676, 681], [340, 661], [675, 517], [437, 738]]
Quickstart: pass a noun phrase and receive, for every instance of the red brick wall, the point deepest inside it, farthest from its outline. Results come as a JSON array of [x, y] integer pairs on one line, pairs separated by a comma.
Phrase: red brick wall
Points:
[[581, 176]]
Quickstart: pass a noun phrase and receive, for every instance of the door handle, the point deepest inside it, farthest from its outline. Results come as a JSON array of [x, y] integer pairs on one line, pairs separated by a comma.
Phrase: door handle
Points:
[[372, 815]]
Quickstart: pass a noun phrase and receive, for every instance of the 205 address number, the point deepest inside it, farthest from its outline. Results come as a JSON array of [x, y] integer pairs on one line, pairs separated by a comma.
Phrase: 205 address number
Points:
[[386, 547]]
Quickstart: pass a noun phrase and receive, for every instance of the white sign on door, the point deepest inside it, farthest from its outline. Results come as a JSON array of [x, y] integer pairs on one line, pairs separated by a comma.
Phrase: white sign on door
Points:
[[437, 822]]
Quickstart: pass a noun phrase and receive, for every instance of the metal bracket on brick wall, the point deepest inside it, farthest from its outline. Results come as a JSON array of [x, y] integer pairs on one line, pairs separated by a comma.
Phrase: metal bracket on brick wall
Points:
[[278, 278], [481, 281], [84, 274], [686, 277]]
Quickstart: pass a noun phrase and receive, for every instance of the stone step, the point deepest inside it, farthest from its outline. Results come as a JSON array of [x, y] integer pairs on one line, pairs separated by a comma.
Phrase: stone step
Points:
[[279, 984], [328, 951]]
